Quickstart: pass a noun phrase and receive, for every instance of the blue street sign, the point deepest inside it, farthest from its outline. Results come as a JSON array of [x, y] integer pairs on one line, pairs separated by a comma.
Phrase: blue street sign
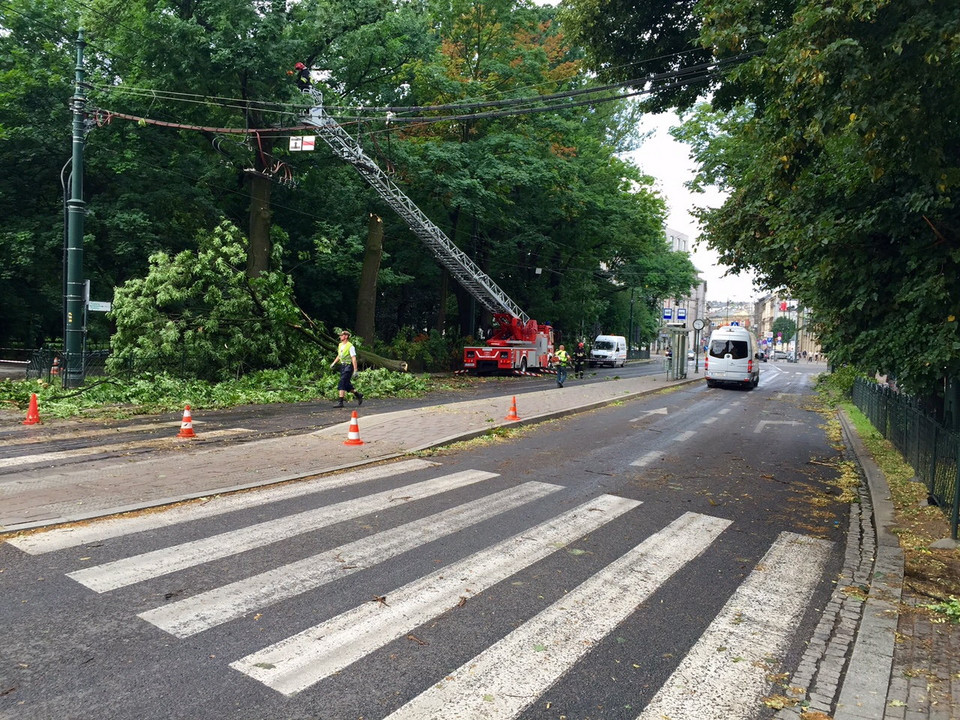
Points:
[[681, 313], [668, 313]]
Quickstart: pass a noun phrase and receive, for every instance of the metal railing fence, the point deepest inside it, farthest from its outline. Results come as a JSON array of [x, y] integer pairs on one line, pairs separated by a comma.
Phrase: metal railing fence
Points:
[[928, 446]]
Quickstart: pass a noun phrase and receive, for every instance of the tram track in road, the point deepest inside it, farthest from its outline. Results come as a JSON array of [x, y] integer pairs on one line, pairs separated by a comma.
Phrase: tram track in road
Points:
[[59, 444]]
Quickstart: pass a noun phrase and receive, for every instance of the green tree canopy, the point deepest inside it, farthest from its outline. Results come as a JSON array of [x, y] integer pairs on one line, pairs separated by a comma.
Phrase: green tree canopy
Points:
[[539, 199], [838, 147], [199, 312], [36, 70]]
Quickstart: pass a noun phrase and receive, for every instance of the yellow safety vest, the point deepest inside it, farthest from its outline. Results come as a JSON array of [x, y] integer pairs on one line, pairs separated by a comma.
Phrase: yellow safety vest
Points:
[[562, 357], [343, 352]]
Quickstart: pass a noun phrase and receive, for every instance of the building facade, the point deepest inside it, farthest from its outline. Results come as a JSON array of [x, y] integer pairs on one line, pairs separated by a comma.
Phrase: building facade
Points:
[[681, 312], [774, 305]]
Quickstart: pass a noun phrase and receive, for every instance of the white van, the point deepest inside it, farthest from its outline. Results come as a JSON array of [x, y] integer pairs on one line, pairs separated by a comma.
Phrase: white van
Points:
[[608, 350], [732, 358]]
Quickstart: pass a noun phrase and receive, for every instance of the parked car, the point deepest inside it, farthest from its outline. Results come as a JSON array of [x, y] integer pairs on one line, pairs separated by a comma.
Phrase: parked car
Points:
[[608, 350], [779, 354]]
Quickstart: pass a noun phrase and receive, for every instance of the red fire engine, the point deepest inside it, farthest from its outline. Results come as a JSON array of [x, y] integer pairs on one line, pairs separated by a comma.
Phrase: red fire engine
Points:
[[514, 347]]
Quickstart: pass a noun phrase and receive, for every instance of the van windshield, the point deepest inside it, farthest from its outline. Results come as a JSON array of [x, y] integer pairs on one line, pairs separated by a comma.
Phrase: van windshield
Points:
[[736, 349], [603, 345]]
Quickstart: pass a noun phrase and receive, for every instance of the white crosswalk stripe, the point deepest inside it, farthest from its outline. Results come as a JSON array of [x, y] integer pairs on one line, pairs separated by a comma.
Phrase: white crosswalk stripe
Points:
[[138, 568], [198, 613], [73, 536], [300, 661], [503, 680], [726, 672]]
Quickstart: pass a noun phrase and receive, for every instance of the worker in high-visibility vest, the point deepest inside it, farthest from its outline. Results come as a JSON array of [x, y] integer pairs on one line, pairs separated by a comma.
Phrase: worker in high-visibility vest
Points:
[[562, 360], [347, 358]]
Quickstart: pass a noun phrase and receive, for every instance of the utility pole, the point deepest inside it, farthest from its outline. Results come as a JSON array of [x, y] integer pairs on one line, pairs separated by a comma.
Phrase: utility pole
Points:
[[74, 328]]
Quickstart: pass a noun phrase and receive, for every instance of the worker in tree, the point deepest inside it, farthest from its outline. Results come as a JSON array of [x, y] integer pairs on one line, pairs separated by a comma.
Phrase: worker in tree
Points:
[[303, 76], [579, 360]]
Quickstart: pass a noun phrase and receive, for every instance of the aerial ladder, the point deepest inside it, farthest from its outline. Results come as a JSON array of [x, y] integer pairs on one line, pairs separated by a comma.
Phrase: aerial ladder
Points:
[[518, 344]]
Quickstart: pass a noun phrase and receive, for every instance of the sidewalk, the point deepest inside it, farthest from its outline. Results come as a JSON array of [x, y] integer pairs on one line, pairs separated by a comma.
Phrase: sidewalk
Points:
[[866, 660]]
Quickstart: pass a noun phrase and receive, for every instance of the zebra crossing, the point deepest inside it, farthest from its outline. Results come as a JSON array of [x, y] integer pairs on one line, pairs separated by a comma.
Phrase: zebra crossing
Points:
[[725, 673]]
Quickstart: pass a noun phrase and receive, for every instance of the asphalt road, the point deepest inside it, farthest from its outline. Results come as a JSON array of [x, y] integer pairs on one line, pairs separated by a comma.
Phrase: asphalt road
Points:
[[664, 556]]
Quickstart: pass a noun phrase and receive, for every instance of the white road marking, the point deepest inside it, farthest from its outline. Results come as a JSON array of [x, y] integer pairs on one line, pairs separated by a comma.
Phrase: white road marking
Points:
[[67, 537], [650, 457], [214, 607], [725, 674], [49, 456], [68, 434], [655, 455], [760, 424], [298, 662], [723, 411], [648, 413], [138, 568], [708, 421], [108, 449], [505, 679]]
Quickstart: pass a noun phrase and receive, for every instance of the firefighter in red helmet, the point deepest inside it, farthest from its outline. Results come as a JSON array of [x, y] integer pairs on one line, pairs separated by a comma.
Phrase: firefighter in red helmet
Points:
[[579, 360], [303, 76]]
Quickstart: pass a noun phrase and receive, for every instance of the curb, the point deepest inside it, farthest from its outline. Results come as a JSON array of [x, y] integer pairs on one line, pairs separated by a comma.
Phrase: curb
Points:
[[860, 620], [864, 693]]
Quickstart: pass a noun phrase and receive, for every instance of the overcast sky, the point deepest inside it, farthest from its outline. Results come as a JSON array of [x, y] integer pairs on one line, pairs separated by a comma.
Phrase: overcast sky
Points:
[[669, 162]]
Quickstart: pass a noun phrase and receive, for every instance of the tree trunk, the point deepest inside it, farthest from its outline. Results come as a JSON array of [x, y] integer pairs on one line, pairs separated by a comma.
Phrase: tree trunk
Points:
[[258, 255], [442, 310], [367, 293], [466, 303]]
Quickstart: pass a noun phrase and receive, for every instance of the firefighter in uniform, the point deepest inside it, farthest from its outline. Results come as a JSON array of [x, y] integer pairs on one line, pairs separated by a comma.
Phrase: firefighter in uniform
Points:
[[347, 358], [562, 361], [303, 77], [579, 360]]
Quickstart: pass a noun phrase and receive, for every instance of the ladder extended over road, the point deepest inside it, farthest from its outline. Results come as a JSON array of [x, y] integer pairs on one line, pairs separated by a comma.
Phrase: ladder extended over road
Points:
[[463, 269]]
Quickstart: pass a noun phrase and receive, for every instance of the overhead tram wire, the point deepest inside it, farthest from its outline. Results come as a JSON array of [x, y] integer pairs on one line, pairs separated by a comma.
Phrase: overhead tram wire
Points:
[[507, 102], [225, 101], [707, 69], [108, 115], [551, 108]]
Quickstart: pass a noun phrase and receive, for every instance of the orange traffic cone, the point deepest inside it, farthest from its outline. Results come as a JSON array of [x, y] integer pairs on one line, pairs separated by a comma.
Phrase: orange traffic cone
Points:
[[353, 434], [512, 415], [186, 427], [55, 368], [33, 414]]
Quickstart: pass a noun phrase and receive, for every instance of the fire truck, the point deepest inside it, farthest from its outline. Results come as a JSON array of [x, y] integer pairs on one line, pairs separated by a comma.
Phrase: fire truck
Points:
[[517, 344]]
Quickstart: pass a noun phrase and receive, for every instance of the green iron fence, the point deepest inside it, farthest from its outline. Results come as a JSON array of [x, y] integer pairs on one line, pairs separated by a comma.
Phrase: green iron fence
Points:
[[930, 448]]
